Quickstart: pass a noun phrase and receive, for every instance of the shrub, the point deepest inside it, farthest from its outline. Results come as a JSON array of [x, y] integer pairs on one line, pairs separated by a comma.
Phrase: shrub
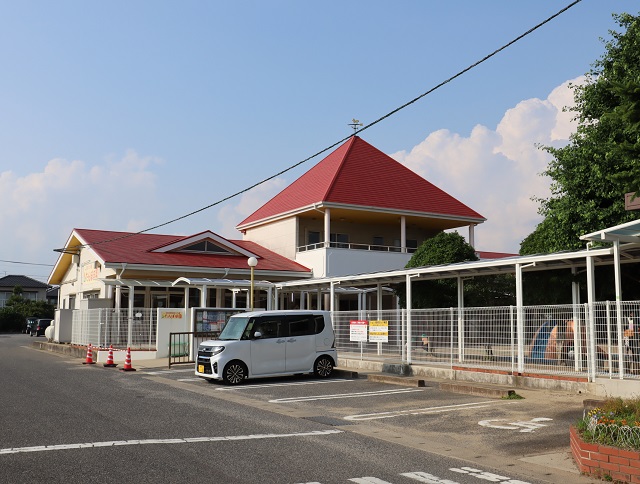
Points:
[[11, 321]]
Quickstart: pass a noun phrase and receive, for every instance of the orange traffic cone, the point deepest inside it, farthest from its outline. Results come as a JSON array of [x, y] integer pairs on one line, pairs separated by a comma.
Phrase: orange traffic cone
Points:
[[127, 362], [110, 363], [89, 360]]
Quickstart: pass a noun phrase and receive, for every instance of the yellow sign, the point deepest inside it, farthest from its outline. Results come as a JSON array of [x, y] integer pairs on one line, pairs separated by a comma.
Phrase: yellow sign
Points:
[[89, 273], [379, 331], [171, 315]]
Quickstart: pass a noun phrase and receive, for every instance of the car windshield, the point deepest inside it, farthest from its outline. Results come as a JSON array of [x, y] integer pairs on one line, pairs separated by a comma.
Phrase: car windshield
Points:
[[234, 329]]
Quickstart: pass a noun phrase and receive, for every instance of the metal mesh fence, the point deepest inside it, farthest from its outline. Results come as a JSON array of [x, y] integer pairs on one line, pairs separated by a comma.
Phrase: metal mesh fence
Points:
[[104, 327], [582, 340], [578, 340]]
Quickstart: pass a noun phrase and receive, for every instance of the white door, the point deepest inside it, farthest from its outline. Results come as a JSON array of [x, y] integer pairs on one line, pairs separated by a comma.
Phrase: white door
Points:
[[268, 352], [301, 343]]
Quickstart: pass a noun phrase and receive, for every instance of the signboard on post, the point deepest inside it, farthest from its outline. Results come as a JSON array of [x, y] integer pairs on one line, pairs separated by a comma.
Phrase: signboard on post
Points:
[[379, 331], [358, 330]]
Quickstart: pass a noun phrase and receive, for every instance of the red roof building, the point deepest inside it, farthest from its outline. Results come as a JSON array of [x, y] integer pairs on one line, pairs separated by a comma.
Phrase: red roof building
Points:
[[357, 199], [93, 261]]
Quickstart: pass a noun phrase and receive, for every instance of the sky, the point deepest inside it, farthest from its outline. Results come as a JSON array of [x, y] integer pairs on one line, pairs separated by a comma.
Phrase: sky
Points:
[[125, 115]]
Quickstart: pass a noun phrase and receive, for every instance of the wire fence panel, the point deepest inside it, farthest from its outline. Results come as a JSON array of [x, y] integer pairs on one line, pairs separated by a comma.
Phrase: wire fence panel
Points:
[[104, 327], [574, 340]]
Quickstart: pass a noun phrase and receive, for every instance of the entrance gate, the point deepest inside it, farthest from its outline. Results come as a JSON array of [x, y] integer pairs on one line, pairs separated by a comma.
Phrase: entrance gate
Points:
[[183, 347]]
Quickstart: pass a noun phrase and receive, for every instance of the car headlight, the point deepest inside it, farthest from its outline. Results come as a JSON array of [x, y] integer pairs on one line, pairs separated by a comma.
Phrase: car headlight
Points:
[[211, 350]]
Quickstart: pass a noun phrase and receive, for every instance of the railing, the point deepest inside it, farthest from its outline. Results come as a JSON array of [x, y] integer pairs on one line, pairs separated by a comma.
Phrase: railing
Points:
[[571, 340], [579, 340], [104, 327], [353, 246], [184, 346]]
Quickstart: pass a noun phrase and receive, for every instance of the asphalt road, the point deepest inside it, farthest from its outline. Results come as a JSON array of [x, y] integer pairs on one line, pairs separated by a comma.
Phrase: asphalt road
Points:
[[63, 421]]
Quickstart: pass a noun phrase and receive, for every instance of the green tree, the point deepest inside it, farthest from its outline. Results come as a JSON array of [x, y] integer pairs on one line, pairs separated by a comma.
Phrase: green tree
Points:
[[602, 160], [18, 308], [449, 248]]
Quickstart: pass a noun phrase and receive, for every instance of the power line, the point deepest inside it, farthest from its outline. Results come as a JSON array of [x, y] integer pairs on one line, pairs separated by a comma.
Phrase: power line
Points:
[[391, 113], [26, 263]]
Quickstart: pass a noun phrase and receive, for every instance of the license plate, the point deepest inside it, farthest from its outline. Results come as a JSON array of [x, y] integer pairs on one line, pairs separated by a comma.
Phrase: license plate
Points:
[[200, 368]]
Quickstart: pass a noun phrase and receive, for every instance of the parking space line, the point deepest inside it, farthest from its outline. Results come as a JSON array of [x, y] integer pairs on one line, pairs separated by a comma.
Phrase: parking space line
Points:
[[422, 411], [345, 395], [166, 372], [268, 385]]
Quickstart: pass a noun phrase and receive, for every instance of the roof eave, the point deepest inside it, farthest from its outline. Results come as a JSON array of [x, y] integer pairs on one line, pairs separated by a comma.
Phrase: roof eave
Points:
[[364, 208]]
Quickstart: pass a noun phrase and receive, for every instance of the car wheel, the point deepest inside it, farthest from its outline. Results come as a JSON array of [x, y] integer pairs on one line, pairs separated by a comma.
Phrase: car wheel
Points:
[[234, 373], [323, 367]]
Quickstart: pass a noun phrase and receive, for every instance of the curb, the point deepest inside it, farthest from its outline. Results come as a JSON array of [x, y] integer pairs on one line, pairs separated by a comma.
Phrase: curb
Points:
[[475, 389], [397, 380]]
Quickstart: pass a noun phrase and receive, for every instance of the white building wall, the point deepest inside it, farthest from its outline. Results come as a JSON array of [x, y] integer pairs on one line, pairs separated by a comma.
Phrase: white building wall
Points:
[[279, 236], [332, 262], [84, 276]]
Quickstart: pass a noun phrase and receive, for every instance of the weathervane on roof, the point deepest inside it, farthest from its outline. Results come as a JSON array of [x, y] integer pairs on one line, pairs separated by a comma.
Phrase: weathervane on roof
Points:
[[354, 124]]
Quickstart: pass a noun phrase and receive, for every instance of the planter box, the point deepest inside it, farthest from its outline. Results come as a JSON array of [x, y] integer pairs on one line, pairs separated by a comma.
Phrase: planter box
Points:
[[602, 460]]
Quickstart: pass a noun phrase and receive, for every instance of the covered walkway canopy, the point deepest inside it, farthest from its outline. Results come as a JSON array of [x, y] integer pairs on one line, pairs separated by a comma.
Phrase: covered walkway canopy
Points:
[[583, 260]]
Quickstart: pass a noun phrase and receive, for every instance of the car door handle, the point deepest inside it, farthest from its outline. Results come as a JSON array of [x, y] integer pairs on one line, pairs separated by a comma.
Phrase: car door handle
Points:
[[292, 340], [280, 341]]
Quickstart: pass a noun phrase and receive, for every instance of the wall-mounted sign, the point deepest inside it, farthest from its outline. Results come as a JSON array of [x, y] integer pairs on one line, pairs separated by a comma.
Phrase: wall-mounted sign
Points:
[[172, 314], [89, 272]]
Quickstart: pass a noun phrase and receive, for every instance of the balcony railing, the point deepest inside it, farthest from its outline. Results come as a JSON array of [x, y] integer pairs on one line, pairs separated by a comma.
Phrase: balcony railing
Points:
[[353, 246]]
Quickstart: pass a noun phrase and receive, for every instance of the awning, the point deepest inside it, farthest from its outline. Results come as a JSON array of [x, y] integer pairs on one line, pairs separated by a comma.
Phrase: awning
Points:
[[628, 232], [227, 283]]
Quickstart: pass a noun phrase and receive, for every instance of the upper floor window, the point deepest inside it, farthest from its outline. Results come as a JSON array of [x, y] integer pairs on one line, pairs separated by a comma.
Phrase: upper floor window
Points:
[[204, 246], [313, 237], [339, 240], [378, 243]]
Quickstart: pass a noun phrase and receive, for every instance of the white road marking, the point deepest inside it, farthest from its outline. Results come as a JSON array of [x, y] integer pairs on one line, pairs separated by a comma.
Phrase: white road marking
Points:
[[268, 385], [420, 411], [191, 379], [529, 426], [369, 480], [486, 476], [166, 372], [343, 395], [428, 478], [188, 440]]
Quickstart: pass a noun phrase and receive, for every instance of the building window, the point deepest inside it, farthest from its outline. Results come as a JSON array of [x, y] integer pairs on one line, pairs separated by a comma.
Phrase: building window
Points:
[[313, 238], [205, 246], [378, 243], [339, 240], [412, 245]]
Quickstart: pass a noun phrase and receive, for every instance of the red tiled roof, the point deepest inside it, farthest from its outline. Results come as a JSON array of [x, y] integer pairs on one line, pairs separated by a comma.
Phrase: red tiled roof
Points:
[[359, 174], [138, 249], [493, 255]]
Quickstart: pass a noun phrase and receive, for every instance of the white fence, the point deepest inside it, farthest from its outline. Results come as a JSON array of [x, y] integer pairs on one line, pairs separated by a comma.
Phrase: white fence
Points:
[[104, 327], [570, 340], [573, 340]]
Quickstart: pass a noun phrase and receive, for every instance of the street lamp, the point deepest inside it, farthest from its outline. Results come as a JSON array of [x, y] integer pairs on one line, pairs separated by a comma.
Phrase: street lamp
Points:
[[252, 261]]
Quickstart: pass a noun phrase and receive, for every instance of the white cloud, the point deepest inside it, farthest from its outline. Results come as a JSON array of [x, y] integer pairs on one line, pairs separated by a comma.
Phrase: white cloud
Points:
[[497, 172], [231, 215], [40, 209]]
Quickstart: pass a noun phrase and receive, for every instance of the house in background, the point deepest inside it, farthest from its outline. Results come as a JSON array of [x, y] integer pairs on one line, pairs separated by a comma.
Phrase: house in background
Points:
[[358, 210], [31, 289]]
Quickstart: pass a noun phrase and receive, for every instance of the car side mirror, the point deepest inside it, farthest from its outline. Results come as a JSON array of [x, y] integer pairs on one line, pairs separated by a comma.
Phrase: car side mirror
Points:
[[257, 335]]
